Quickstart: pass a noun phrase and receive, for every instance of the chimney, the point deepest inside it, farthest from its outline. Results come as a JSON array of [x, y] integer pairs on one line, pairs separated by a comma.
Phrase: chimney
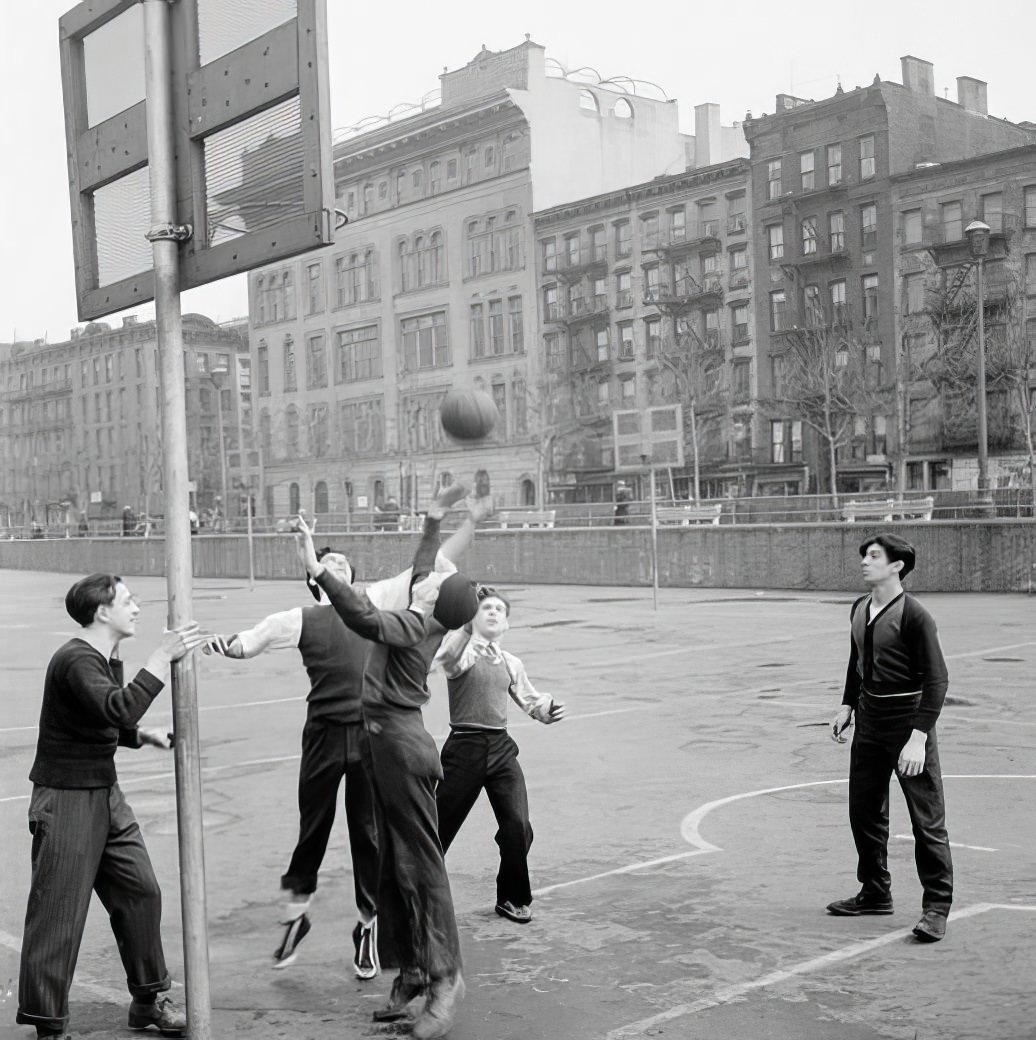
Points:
[[708, 135], [971, 95], [918, 75]]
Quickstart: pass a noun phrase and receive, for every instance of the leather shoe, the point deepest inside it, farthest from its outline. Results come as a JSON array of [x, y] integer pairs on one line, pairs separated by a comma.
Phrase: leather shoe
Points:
[[405, 988], [858, 905], [164, 1014], [440, 1009], [932, 926]]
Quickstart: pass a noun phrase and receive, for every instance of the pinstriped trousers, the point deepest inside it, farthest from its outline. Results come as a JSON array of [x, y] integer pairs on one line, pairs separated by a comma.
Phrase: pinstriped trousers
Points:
[[86, 840]]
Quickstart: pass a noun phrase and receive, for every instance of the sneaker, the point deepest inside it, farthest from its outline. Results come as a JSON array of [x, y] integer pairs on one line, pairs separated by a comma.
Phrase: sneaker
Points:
[[404, 990], [167, 1016], [931, 928], [365, 945], [521, 914], [440, 1009], [295, 931], [860, 904]]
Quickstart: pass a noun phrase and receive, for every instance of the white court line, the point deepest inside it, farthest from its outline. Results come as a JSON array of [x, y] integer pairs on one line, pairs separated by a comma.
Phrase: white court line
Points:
[[773, 978], [111, 996], [953, 844], [690, 827]]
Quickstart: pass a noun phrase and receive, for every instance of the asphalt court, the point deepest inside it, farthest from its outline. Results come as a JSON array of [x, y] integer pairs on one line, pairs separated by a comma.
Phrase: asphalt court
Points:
[[689, 818]]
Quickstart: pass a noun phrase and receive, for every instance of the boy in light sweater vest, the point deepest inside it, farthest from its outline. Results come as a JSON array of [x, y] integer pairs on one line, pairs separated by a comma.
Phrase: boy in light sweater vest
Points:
[[479, 754]]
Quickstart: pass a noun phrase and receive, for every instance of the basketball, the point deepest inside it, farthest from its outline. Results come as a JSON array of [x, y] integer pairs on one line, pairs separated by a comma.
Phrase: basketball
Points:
[[468, 415]]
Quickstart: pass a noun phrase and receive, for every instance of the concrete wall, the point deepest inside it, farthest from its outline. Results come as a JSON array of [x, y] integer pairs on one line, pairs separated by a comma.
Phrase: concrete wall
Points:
[[955, 556]]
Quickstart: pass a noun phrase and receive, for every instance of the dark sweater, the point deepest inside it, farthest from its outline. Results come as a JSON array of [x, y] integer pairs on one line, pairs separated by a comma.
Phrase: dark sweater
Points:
[[897, 653], [334, 658], [87, 712]]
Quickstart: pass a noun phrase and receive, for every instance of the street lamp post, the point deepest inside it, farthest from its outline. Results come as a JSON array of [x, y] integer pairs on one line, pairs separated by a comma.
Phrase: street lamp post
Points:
[[243, 471], [977, 234], [216, 377]]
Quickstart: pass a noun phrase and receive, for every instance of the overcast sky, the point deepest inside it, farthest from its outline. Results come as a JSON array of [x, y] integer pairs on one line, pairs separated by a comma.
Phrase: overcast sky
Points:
[[738, 55]]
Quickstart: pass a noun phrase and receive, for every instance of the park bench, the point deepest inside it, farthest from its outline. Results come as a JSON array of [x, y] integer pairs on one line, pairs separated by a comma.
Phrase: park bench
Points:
[[689, 514], [526, 518], [889, 510]]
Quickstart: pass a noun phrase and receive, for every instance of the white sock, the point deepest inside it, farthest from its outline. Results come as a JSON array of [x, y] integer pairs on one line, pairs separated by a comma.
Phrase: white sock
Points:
[[295, 908]]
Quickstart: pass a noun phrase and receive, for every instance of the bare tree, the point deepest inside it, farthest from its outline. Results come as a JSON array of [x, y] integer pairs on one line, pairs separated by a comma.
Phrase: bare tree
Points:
[[827, 381]]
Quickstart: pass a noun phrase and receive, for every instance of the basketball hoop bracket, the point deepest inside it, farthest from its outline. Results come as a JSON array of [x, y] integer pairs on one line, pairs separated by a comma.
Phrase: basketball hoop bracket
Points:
[[170, 233]]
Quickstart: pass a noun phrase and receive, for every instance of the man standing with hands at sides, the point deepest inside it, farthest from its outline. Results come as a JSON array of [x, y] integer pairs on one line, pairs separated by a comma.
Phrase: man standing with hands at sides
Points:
[[896, 683], [85, 837], [417, 925], [479, 753]]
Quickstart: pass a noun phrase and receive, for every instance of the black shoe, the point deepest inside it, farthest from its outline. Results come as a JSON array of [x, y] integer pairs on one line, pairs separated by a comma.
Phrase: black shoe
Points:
[[521, 914], [931, 928], [295, 932], [365, 945], [404, 990], [858, 905], [164, 1014]]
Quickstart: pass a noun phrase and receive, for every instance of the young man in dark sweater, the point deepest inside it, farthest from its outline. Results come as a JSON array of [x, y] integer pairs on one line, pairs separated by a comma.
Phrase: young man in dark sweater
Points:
[[84, 836], [895, 683]]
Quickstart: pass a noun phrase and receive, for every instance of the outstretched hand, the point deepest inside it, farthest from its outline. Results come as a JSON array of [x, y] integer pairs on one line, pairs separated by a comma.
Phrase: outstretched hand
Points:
[[555, 714], [227, 646], [425, 592], [159, 738], [307, 553], [180, 641]]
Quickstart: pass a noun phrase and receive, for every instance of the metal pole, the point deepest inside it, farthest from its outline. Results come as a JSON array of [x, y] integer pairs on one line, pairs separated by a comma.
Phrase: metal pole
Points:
[[985, 502], [157, 51], [654, 541], [244, 469], [222, 457]]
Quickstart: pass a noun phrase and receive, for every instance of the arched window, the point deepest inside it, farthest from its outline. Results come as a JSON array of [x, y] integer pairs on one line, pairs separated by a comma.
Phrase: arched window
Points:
[[527, 491], [588, 101], [320, 497], [482, 486], [400, 184], [623, 109], [404, 266], [422, 261], [378, 492], [293, 499], [438, 258]]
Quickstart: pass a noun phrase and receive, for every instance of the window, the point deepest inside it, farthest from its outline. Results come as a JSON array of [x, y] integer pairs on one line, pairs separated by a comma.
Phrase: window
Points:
[[355, 278], [383, 189], [952, 228], [653, 336], [809, 236], [773, 179], [838, 311], [812, 312], [291, 430], [572, 250], [836, 231], [775, 237], [552, 351], [913, 293], [627, 344], [777, 441], [598, 245], [510, 151], [677, 225], [912, 226], [496, 327], [623, 289], [362, 425], [866, 157], [603, 393], [869, 226], [709, 225], [623, 109], [435, 175], [316, 361], [551, 307], [842, 355], [488, 156], [314, 288], [263, 357], [425, 341], [436, 259], [494, 244], [834, 164], [628, 390], [739, 321], [357, 354], [451, 169], [519, 397], [807, 163], [317, 424], [738, 260], [1030, 206], [602, 340], [736, 220], [400, 184], [869, 285], [623, 238], [499, 395], [993, 211], [515, 332], [778, 311], [549, 255], [290, 376], [741, 381], [418, 173], [649, 231], [477, 332]]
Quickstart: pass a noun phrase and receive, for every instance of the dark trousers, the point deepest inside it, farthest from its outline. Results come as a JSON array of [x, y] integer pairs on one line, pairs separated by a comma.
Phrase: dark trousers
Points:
[[872, 762], [86, 841], [332, 751], [417, 928], [473, 760]]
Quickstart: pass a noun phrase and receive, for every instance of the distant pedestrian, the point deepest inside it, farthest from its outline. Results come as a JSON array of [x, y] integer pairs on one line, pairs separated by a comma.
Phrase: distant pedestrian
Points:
[[129, 521], [85, 838], [480, 754], [623, 497], [83, 527], [896, 684]]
